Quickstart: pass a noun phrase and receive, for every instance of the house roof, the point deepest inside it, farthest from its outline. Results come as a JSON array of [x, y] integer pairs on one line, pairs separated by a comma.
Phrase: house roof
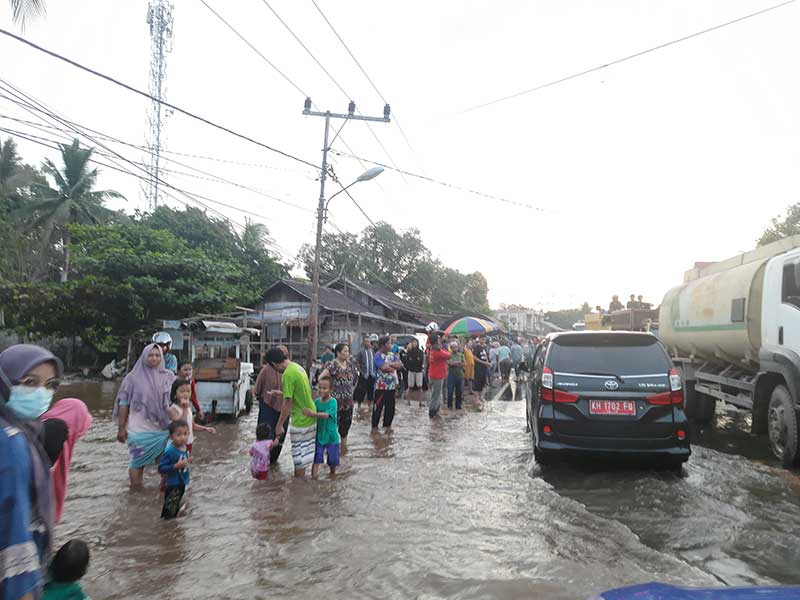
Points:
[[383, 295]]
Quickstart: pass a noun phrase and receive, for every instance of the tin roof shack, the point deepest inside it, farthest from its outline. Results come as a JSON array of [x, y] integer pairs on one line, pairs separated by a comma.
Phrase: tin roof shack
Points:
[[383, 302], [284, 311]]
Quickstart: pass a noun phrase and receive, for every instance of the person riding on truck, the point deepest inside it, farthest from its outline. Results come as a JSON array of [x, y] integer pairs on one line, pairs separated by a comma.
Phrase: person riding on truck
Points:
[[615, 304]]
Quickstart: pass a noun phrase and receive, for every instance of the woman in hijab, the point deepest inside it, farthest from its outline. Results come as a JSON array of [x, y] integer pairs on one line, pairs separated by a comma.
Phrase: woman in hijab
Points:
[[28, 378], [141, 411], [77, 419]]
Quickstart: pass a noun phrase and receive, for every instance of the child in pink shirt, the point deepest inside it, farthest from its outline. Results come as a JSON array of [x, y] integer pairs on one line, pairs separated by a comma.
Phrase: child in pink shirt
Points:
[[259, 452]]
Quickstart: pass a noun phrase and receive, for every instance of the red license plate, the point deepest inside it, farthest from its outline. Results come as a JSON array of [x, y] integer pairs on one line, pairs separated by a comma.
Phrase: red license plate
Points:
[[611, 407]]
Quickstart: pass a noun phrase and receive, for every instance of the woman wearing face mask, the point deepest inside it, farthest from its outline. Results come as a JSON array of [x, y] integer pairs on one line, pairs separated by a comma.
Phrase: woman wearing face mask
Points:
[[28, 378], [141, 411]]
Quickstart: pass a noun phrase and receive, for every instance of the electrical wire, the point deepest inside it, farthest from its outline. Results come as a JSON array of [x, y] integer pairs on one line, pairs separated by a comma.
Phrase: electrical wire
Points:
[[445, 184], [369, 79], [349, 195], [175, 108], [625, 58], [331, 77]]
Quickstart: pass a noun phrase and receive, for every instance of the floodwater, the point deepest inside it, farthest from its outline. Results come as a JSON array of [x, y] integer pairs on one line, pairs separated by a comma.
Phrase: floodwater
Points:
[[454, 508]]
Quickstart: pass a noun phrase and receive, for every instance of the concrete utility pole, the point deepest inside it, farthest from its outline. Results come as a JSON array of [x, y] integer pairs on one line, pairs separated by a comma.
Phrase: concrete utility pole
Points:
[[313, 320]]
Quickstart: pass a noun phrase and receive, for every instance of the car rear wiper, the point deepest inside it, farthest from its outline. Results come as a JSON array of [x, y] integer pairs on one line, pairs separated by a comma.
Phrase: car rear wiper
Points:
[[614, 375]]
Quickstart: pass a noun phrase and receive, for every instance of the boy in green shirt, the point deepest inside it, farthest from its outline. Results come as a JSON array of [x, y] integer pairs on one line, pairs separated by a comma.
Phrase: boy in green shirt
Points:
[[296, 401], [328, 440]]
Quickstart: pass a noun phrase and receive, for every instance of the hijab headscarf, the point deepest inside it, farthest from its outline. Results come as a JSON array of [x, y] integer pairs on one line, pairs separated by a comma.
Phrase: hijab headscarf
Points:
[[78, 419], [15, 363], [147, 389]]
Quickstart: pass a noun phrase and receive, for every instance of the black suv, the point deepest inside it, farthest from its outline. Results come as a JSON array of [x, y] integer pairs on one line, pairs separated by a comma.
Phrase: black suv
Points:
[[606, 392]]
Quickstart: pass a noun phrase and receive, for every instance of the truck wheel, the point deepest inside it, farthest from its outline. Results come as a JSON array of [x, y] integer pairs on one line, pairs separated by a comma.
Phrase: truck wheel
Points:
[[248, 401], [698, 407], [782, 426]]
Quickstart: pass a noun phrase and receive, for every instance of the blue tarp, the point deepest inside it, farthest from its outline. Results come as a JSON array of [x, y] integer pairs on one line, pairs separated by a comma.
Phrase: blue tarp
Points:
[[660, 591]]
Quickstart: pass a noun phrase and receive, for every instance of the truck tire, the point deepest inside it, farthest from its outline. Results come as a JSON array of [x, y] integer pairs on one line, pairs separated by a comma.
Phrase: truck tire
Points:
[[782, 426]]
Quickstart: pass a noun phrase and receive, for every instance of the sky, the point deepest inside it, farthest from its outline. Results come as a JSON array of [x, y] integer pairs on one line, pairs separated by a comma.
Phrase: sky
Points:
[[630, 174]]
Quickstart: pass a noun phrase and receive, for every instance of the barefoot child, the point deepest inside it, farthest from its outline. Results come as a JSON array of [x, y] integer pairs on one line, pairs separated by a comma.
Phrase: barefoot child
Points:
[[259, 451], [181, 408], [175, 465], [327, 428]]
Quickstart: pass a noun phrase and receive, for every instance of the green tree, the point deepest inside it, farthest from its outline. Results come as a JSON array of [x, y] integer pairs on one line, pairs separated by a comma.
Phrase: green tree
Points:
[[566, 317], [73, 200], [781, 228], [22, 10]]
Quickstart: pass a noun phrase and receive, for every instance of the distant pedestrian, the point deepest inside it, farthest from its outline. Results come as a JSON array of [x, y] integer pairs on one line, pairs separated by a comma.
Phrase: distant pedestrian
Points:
[[67, 568], [164, 341], [437, 373], [455, 376], [328, 438], [260, 451], [327, 356], [482, 366], [268, 390], [517, 359], [469, 366], [175, 465], [386, 367], [414, 362], [343, 375], [494, 369], [296, 399], [504, 363], [365, 362]]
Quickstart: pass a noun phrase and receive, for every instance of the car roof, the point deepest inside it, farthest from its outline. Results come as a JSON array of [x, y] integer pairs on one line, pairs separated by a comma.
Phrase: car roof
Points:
[[605, 333]]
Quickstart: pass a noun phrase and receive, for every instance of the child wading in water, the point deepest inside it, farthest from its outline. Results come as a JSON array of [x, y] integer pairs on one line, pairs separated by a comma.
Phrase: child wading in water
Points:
[[181, 408], [68, 567], [259, 451], [175, 465], [328, 439]]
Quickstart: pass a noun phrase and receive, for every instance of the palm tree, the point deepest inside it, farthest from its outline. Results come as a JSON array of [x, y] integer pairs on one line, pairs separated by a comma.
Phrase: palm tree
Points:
[[9, 164], [73, 200], [22, 10]]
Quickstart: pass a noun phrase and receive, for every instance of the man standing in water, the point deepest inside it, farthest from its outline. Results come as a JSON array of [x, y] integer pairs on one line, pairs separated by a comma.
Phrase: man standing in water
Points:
[[296, 399]]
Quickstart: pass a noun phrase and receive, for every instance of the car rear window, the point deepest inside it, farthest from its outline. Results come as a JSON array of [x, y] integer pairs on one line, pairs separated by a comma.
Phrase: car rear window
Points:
[[608, 354]]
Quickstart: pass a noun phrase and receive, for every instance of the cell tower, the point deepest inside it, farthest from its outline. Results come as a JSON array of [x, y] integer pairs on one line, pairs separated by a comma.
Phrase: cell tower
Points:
[[159, 18]]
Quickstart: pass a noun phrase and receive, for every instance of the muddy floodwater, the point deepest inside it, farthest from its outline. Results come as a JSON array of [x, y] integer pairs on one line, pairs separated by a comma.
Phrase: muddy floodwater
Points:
[[454, 508]]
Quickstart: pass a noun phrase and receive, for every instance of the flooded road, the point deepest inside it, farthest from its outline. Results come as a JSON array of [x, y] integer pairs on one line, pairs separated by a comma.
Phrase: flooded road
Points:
[[451, 509]]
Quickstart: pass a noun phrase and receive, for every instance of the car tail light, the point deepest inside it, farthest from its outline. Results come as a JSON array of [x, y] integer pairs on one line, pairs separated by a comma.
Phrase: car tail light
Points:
[[681, 434], [675, 393], [547, 429], [547, 378], [564, 397]]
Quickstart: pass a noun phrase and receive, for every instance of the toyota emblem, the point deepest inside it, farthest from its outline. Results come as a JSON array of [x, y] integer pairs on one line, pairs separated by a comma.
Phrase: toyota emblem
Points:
[[611, 385]]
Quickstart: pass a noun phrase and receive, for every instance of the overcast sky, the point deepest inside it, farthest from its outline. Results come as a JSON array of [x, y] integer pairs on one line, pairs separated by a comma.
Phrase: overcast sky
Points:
[[639, 169]]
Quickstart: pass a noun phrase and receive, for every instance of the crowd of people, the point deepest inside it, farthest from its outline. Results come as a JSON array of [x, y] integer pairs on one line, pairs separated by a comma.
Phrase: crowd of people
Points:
[[635, 302], [157, 414]]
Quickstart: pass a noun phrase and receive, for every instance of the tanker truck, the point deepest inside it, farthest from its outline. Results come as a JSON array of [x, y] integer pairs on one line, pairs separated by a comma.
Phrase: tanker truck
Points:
[[733, 331]]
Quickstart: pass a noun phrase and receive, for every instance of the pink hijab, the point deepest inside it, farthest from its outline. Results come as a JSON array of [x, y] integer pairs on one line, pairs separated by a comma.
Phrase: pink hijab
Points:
[[78, 419], [146, 389]]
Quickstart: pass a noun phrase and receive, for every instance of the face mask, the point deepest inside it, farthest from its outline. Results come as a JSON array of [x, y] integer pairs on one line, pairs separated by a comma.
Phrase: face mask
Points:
[[29, 403]]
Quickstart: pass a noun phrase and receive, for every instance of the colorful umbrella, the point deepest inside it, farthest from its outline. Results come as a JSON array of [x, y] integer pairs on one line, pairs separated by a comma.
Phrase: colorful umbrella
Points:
[[469, 326]]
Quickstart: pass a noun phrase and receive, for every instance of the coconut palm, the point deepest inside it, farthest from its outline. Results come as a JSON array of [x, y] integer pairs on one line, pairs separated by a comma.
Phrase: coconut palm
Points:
[[22, 10], [73, 200]]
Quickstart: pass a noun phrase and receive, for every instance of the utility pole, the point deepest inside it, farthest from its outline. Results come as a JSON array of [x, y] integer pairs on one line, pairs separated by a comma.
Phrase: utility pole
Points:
[[313, 321]]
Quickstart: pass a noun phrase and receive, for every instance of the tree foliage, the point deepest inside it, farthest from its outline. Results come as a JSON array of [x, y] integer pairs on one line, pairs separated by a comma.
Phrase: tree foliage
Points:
[[781, 228], [399, 261], [565, 318]]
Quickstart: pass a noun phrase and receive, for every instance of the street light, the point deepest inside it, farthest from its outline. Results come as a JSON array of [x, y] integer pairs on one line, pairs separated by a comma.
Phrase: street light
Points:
[[365, 176], [322, 213]]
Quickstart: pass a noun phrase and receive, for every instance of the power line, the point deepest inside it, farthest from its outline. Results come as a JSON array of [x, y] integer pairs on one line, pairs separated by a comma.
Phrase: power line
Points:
[[625, 58], [369, 79], [349, 195], [130, 88], [192, 197], [445, 184], [209, 176], [331, 77]]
